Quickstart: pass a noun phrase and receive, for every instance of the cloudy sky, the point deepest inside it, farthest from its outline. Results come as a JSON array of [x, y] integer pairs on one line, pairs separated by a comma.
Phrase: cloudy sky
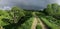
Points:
[[29, 4]]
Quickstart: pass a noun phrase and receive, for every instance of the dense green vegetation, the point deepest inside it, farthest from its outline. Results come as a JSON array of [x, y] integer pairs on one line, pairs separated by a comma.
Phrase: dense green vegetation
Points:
[[53, 20], [18, 18], [27, 24], [51, 16], [53, 9], [49, 24]]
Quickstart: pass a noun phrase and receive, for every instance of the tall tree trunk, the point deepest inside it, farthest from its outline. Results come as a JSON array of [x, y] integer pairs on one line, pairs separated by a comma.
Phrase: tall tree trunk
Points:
[[15, 20]]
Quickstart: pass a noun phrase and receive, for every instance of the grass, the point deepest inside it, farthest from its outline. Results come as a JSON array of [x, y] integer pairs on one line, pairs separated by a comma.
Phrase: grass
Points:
[[53, 26], [53, 20], [38, 26]]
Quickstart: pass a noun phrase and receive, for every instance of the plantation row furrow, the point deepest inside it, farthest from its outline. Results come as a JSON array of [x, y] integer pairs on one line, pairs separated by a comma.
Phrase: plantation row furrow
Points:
[[51, 25]]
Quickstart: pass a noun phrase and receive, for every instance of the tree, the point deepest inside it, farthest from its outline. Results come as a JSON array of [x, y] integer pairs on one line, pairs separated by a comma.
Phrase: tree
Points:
[[49, 9], [53, 9], [16, 14], [3, 17]]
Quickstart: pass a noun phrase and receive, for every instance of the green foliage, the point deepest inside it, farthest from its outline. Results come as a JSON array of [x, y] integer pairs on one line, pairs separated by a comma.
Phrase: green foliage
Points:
[[53, 9], [16, 14], [51, 25], [4, 15], [28, 13], [53, 20], [38, 26], [39, 13], [17, 18], [27, 24], [9, 18]]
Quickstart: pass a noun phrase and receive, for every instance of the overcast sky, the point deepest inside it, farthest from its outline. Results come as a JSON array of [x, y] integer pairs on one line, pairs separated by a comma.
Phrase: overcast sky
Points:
[[26, 3]]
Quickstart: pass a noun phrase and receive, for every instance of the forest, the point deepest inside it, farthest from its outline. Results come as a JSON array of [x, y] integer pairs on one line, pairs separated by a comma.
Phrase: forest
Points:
[[18, 18]]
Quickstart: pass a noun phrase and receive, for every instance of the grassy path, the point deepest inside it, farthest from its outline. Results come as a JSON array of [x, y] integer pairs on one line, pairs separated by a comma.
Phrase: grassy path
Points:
[[42, 24], [36, 20], [34, 24]]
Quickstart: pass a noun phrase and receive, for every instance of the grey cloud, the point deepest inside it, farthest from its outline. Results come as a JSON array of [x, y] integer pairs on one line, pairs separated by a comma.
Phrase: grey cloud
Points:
[[28, 4]]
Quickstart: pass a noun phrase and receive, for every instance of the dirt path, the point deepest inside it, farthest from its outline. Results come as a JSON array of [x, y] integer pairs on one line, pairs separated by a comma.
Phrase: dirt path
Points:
[[42, 24], [36, 20], [1, 27], [34, 24]]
